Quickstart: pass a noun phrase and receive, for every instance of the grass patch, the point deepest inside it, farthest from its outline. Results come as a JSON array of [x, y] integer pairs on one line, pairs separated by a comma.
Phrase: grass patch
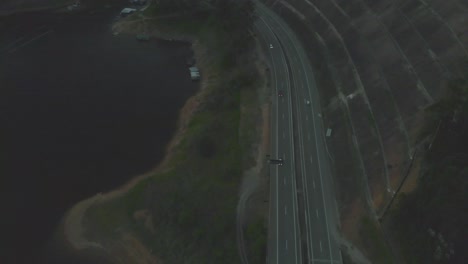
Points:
[[256, 235], [429, 221], [105, 220], [374, 242], [193, 205]]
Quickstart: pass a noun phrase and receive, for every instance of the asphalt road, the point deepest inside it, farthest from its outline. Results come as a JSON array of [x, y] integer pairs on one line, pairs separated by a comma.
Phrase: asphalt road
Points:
[[284, 223], [303, 215]]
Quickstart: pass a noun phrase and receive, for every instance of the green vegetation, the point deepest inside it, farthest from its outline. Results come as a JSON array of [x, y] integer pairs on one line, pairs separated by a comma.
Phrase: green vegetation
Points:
[[431, 221], [192, 204], [256, 235], [374, 242]]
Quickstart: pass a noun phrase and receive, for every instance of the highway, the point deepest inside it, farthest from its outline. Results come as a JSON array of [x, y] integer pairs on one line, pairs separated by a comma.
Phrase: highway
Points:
[[303, 212], [284, 223]]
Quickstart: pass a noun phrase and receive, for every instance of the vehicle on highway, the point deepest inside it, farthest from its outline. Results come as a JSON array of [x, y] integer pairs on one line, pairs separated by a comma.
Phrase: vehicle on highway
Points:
[[308, 102], [280, 93], [278, 161], [271, 46]]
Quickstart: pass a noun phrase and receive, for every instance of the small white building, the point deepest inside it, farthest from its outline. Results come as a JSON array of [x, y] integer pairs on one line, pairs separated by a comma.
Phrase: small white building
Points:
[[194, 73]]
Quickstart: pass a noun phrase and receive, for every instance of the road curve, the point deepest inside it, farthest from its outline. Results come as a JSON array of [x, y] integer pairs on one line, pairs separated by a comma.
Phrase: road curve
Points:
[[298, 137]]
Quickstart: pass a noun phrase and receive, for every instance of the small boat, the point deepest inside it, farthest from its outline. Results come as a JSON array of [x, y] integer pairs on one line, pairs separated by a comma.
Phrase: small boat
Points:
[[142, 37]]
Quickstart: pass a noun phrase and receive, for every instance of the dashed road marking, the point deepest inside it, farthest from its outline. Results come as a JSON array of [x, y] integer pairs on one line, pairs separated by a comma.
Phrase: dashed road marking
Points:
[[316, 211], [29, 41], [12, 44]]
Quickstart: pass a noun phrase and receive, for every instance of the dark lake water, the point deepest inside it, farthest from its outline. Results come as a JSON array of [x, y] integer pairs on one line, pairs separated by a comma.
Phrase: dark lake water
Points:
[[81, 112]]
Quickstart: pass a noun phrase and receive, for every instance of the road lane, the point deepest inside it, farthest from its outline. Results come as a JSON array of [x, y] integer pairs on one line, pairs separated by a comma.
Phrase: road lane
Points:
[[319, 199], [285, 248]]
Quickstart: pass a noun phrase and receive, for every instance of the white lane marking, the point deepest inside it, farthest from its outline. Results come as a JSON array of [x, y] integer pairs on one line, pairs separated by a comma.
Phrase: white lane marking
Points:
[[313, 182], [308, 137], [283, 116], [12, 43], [33, 39], [284, 180], [307, 117], [286, 244], [311, 160], [321, 249], [316, 211], [285, 210]]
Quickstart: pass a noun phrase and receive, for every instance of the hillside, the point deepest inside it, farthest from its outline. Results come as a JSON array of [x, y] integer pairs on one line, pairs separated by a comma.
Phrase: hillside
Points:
[[429, 221], [379, 65]]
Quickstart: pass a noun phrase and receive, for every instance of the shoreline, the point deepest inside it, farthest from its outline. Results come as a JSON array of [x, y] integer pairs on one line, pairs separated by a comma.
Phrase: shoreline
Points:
[[71, 226]]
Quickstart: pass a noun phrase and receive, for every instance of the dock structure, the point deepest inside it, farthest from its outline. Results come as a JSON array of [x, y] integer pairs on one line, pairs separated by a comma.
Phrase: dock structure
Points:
[[127, 11]]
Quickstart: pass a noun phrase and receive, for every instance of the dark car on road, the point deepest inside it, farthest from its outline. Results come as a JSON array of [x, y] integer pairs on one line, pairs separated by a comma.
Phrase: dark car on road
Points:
[[278, 161], [280, 93]]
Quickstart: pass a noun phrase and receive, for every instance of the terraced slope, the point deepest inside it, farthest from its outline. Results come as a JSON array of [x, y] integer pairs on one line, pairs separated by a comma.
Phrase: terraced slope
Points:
[[378, 63]]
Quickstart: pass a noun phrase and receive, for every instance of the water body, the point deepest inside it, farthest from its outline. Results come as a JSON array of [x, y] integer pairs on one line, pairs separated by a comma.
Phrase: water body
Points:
[[81, 112]]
